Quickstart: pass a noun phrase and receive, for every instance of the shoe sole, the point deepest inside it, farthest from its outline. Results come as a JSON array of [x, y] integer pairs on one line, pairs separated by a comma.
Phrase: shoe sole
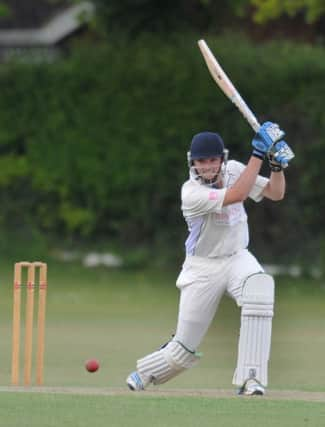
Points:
[[130, 387], [255, 393]]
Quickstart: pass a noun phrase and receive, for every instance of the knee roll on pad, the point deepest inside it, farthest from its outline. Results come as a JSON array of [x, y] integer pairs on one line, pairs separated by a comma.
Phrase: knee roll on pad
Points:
[[255, 330], [258, 295], [164, 364]]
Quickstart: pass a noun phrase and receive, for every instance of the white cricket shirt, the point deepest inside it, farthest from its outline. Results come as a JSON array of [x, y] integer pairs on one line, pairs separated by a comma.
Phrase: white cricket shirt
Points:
[[214, 230]]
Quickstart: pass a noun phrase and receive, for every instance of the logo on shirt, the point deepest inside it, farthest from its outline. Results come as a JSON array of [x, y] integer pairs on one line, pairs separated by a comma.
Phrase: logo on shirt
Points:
[[213, 195], [231, 215]]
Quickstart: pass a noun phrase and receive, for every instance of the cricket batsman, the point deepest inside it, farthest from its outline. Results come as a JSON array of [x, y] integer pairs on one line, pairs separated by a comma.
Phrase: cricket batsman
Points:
[[218, 260]]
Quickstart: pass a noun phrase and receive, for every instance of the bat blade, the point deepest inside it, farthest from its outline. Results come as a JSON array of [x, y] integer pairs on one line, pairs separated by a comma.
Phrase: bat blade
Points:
[[226, 85]]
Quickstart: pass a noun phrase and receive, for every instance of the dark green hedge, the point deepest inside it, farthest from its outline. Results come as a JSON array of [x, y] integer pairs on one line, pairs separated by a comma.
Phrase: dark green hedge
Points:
[[94, 146]]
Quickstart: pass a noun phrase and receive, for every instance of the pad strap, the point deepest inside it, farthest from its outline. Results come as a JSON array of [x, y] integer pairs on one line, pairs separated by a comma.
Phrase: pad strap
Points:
[[162, 365]]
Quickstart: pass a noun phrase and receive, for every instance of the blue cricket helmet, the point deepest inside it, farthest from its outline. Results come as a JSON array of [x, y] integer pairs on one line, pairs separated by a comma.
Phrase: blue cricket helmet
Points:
[[205, 145]]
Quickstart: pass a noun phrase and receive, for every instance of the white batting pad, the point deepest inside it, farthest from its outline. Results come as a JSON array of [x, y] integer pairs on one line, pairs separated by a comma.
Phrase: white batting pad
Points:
[[164, 364], [255, 330]]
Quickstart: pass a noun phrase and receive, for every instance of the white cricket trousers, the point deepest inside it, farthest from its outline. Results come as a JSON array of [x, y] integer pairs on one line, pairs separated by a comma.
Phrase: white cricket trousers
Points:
[[202, 282]]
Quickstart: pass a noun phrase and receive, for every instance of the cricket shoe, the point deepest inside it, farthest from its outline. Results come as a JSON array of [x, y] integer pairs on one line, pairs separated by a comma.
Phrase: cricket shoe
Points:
[[135, 382], [251, 387]]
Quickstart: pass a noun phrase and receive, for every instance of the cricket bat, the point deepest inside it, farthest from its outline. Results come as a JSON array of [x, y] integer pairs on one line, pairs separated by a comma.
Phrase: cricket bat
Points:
[[226, 85]]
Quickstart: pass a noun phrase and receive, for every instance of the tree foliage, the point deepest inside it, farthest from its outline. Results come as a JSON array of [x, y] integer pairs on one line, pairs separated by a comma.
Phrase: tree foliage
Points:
[[4, 10], [133, 17], [271, 9], [94, 146], [137, 16]]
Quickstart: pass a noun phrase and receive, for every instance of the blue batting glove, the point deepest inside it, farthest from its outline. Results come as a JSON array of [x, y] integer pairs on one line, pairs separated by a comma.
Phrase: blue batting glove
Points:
[[267, 135], [279, 156]]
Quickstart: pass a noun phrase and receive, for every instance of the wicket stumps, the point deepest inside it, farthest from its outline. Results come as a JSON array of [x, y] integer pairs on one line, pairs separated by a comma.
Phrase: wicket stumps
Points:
[[31, 268]]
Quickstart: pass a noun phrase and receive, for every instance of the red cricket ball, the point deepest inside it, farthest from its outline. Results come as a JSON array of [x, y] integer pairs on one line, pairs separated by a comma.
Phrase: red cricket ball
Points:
[[92, 365]]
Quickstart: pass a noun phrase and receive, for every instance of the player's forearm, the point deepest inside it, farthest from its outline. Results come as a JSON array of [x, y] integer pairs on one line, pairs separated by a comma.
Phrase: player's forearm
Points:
[[240, 190], [275, 189], [248, 177]]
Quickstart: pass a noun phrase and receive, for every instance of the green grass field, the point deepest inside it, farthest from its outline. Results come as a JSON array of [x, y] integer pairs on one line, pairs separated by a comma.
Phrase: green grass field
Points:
[[117, 316], [47, 410]]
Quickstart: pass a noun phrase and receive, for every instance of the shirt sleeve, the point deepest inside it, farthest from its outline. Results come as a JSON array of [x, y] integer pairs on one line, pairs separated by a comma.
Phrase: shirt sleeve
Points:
[[198, 200], [257, 190], [261, 182]]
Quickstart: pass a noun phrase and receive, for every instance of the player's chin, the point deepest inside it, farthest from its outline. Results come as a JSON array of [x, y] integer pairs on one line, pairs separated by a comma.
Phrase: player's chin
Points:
[[209, 176]]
